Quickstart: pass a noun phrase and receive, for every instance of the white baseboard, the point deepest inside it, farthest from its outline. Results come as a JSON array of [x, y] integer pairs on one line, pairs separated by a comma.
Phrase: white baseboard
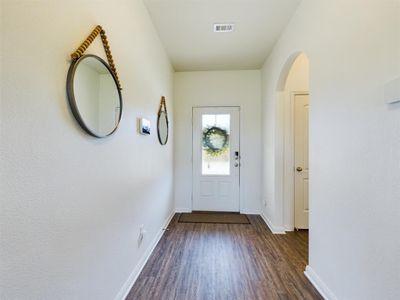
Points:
[[274, 229], [183, 210], [317, 282], [250, 212], [139, 267], [288, 228]]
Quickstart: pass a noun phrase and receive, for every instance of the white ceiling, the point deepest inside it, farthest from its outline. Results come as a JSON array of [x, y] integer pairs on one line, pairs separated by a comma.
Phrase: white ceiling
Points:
[[186, 29]]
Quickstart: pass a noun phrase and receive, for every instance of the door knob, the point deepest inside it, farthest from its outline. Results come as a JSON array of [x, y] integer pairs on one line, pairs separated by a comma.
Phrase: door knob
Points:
[[299, 169], [236, 165]]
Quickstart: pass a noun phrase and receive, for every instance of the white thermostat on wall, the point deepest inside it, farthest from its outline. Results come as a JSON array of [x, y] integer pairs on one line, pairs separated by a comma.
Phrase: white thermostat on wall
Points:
[[392, 91], [144, 126]]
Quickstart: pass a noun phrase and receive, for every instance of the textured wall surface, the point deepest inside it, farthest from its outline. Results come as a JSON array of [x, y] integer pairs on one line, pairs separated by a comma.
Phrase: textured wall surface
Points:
[[71, 205], [354, 49]]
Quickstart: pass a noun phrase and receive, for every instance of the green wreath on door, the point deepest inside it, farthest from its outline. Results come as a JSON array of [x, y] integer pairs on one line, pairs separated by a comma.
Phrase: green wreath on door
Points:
[[215, 140]]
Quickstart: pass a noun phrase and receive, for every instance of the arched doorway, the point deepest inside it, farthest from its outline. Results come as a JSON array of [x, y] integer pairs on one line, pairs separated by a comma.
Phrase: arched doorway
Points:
[[292, 142]]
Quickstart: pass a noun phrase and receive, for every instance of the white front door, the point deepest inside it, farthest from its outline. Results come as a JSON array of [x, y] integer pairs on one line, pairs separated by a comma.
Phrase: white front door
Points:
[[301, 161], [216, 165]]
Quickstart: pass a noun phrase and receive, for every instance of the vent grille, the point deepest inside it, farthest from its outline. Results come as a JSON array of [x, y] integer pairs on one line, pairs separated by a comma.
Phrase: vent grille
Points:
[[223, 27]]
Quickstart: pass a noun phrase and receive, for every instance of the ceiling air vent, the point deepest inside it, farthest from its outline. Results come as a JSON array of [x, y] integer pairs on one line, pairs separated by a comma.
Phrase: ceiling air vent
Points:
[[223, 27]]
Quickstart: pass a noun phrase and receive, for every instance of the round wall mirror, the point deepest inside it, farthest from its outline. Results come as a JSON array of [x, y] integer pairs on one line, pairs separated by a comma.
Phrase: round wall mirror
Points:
[[162, 127], [94, 95]]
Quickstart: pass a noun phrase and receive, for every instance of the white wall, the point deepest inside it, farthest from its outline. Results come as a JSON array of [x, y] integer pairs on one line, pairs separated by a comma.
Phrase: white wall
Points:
[[71, 205], [219, 88], [354, 49], [298, 79]]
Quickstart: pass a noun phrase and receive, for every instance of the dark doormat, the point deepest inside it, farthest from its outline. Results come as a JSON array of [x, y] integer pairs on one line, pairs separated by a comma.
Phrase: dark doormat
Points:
[[213, 217]]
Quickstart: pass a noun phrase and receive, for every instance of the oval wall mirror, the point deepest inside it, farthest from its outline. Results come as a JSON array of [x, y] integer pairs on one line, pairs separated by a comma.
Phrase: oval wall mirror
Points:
[[162, 123], [94, 95]]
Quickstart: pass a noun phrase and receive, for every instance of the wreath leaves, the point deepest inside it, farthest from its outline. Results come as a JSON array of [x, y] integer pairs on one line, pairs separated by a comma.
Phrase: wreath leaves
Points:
[[210, 134]]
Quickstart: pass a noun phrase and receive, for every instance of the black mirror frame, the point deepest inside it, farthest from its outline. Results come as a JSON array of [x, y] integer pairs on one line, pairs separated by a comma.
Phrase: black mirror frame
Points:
[[71, 95], [160, 110]]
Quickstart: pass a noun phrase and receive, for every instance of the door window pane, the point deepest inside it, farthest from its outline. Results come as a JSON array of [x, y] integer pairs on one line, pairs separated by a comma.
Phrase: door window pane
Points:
[[215, 143]]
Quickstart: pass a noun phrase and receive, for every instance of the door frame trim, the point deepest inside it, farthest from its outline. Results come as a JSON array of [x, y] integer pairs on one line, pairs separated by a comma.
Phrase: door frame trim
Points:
[[241, 205], [288, 166]]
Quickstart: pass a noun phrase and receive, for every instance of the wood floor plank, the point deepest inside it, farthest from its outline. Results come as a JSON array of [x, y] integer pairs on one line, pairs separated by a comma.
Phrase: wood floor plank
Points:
[[225, 262]]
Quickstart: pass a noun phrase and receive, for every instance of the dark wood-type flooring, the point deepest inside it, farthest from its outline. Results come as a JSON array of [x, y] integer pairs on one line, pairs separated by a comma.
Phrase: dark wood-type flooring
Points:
[[225, 261]]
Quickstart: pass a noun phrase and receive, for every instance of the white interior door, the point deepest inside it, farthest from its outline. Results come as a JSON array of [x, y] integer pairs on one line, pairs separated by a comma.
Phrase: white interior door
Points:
[[216, 159], [301, 208]]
